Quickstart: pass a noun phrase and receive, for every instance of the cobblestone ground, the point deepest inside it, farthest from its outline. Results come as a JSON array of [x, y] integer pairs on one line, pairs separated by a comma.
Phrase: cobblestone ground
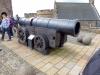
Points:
[[10, 63]]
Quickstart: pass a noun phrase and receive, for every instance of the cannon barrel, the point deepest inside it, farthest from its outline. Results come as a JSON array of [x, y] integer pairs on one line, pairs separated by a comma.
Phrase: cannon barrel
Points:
[[68, 27], [22, 21]]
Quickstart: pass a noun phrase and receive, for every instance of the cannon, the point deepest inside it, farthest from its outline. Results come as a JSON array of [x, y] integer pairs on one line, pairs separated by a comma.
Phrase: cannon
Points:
[[48, 32]]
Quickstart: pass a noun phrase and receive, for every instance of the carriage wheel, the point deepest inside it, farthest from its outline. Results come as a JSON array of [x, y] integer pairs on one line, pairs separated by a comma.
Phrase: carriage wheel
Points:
[[41, 43], [22, 36]]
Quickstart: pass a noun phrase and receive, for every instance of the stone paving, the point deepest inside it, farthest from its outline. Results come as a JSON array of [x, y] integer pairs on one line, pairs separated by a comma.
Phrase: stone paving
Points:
[[10, 63], [68, 60]]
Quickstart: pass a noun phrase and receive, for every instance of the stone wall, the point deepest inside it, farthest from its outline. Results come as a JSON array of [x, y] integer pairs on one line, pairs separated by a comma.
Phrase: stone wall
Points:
[[6, 5], [29, 15], [45, 13], [90, 26]]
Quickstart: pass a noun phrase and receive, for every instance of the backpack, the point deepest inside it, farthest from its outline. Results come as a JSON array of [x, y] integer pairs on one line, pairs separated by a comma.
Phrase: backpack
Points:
[[93, 66]]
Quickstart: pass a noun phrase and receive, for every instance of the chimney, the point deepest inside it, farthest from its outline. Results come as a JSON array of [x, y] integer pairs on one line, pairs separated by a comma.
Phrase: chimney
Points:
[[91, 1]]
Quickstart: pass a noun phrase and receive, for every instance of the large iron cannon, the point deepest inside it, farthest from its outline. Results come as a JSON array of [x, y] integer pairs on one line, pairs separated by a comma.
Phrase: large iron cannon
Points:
[[48, 33]]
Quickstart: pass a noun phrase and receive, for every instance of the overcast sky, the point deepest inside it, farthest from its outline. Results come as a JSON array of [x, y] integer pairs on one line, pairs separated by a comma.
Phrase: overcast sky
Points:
[[29, 6]]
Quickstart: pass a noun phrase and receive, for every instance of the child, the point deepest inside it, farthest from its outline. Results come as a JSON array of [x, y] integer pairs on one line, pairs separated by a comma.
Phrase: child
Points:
[[5, 25]]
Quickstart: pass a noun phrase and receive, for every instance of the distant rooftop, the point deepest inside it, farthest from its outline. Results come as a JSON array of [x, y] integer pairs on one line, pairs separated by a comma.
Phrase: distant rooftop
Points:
[[81, 11]]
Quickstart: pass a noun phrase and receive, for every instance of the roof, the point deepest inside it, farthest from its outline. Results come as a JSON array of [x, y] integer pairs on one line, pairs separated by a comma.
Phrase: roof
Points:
[[81, 11]]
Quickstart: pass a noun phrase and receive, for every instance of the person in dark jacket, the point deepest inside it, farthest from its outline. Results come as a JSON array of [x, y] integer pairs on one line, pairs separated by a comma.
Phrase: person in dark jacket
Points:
[[0, 21], [11, 25], [5, 25]]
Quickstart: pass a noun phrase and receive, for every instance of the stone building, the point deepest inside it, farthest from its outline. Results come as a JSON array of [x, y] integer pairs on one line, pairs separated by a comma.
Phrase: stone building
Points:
[[6, 6], [85, 12]]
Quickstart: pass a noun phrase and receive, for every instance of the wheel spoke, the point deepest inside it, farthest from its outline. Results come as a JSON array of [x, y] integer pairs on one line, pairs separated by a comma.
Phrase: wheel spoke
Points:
[[41, 44]]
